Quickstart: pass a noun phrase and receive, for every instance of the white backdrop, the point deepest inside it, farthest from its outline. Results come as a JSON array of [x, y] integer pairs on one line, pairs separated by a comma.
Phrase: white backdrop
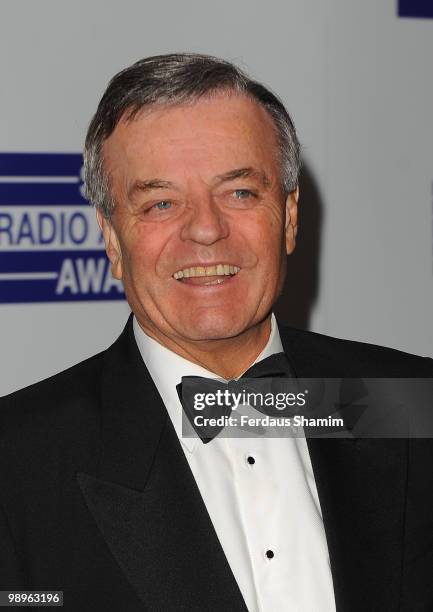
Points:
[[357, 81]]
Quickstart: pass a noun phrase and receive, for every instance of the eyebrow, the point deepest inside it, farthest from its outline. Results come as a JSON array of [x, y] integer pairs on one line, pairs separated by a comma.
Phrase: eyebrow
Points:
[[144, 186], [248, 172]]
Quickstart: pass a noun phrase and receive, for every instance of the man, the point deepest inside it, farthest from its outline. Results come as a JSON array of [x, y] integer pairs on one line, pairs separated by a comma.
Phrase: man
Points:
[[193, 169]]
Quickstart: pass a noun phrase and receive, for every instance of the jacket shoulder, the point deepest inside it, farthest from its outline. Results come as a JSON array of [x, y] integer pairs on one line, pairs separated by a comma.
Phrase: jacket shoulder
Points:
[[320, 355], [74, 381], [54, 417]]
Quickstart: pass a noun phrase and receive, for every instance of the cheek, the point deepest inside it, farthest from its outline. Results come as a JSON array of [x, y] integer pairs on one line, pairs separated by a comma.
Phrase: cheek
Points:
[[136, 255], [266, 237], [145, 250]]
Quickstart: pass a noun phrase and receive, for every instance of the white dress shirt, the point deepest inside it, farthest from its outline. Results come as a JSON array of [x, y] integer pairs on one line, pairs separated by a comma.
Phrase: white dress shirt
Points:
[[260, 494]]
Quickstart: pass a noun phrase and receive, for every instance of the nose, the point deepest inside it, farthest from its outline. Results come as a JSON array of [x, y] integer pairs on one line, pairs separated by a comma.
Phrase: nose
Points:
[[206, 222]]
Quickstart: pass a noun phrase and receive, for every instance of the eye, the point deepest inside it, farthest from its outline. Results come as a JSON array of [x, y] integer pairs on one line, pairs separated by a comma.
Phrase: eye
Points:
[[163, 205], [243, 194]]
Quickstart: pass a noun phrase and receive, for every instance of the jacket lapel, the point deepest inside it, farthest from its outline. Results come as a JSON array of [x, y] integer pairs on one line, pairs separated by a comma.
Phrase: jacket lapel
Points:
[[144, 498], [362, 490]]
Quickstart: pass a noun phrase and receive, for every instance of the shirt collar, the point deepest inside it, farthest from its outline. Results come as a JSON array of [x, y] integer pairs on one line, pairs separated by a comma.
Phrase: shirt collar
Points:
[[167, 368]]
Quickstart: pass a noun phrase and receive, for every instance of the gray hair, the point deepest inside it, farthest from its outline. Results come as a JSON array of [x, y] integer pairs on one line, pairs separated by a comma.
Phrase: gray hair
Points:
[[175, 79]]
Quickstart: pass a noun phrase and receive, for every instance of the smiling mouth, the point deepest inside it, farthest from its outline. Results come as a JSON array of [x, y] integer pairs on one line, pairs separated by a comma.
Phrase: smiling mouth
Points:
[[206, 275]]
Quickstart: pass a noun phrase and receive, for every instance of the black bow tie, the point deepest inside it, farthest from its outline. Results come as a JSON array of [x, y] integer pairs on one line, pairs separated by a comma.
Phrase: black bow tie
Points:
[[274, 366]]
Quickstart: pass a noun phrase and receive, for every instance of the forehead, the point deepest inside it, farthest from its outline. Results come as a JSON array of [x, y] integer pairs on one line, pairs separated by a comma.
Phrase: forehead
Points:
[[207, 136]]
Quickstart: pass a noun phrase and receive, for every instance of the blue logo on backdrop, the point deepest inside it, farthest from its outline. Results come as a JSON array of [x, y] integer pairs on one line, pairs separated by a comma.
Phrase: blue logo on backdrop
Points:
[[415, 8], [51, 248]]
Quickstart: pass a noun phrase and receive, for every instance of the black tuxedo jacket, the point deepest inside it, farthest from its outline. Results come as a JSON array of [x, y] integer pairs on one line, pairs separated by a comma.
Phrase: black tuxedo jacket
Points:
[[98, 500]]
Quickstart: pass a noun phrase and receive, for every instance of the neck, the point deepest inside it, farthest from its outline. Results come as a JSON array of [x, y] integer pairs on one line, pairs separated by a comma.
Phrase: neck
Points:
[[227, 357]]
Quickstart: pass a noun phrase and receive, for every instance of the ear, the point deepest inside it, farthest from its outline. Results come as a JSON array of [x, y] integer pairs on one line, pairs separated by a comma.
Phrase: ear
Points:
[[112, 246], [291, 220]]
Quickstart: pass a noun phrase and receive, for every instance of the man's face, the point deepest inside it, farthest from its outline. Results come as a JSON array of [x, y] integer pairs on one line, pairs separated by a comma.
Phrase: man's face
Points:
[[201, 229]]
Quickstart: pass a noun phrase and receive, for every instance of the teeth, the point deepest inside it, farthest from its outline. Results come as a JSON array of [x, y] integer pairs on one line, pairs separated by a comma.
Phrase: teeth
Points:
[[218, 270], [218, 281]]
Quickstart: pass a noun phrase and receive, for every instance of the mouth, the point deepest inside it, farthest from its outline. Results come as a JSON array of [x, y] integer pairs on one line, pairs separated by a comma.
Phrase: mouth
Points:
[[206, 275]]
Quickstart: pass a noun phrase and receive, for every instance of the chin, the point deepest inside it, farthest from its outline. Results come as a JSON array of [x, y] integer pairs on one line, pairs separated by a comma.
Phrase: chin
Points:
[[211, 328]]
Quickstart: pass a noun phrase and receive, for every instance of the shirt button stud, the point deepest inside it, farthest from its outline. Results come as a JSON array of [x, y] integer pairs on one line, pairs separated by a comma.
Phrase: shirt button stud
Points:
[[270, 554], [251, 460]]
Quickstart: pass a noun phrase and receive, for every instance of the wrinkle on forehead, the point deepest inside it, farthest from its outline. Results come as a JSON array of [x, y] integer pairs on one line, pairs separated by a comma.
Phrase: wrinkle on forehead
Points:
[[165, 138]]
